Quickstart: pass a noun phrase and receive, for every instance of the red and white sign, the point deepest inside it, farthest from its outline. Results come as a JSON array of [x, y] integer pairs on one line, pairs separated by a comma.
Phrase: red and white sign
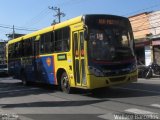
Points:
[[156, 42]]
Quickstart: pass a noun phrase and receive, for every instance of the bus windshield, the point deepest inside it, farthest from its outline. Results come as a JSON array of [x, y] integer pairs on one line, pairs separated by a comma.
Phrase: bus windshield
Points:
[[110, 43]]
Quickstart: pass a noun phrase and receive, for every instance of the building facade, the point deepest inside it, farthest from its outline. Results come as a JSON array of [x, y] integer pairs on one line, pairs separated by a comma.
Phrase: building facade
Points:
[[146, 29], [2, 52], [154, 19]]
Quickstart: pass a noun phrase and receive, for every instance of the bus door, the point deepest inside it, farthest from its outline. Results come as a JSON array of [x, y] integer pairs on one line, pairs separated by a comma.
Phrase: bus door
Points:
[[79, 59], [36, 58]]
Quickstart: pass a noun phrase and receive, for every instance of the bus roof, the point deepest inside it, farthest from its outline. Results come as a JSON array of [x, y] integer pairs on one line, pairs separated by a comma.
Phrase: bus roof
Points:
[[47, 29], [60, 25]]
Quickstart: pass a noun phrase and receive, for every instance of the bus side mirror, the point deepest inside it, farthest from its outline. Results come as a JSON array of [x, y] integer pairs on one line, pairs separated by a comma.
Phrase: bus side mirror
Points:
[[86, 33]]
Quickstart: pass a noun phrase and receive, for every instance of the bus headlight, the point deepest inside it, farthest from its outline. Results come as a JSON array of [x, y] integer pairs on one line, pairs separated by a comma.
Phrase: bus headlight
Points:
[[133, 67], [95, 71]]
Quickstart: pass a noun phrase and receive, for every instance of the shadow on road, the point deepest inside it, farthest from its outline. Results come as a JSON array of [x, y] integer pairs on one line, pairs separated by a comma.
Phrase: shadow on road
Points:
[[52, 104], [128, 91], [9, 88], [14, 88]]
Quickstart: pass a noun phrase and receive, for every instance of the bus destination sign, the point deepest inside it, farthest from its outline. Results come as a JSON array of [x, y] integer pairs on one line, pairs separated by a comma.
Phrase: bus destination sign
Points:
[[110, 22]]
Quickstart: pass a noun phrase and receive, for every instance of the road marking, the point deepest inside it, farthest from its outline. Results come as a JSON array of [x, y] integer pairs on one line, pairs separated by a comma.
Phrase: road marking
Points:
[[11, 91], [155, 92], [139, 111], [155, 105], [108, 116], [24, 118], [149, 80]]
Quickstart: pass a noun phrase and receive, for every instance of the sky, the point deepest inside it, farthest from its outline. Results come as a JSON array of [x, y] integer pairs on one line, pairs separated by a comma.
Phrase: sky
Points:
[[30, 15]]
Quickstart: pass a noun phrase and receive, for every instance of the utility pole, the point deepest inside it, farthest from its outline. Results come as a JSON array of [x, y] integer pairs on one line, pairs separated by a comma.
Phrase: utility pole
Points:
[[13, 32], [59, 14]]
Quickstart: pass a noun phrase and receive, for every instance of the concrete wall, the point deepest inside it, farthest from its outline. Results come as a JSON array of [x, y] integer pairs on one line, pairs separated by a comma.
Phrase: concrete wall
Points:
[[154, 19]]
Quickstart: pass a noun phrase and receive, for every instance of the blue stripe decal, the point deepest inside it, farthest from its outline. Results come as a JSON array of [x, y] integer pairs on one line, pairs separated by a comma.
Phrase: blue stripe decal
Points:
[[47, 69]]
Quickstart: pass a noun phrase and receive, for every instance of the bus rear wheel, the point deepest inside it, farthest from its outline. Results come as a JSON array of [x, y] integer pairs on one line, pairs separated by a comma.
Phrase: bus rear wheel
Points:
[[65, 86]]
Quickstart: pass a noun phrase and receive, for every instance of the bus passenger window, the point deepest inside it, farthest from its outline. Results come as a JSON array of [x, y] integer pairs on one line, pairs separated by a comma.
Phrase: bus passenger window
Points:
[[52, 41], [62, 42], [48, 43], [42, 44]]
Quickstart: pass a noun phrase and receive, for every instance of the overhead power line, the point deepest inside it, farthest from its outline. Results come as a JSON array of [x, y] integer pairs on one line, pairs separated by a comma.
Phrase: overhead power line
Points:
[[59, 14], [144, 9], [17, 28]]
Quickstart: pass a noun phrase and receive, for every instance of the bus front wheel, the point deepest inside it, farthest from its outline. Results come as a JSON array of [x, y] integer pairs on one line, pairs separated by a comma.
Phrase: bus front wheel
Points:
[[65, 86]]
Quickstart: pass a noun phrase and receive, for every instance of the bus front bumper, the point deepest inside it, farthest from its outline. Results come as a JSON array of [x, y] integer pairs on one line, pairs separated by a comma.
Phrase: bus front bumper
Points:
[[99, 82]]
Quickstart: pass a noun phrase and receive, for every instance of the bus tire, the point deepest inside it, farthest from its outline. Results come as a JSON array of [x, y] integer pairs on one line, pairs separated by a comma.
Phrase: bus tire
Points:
[[65, 86]]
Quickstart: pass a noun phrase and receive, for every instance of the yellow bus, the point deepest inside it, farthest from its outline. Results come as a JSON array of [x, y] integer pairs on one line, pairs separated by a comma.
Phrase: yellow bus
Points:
[[88, 52]]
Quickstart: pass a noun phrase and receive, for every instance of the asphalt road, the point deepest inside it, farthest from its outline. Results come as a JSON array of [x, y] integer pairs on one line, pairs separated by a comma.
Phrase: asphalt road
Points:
[[138, 101]]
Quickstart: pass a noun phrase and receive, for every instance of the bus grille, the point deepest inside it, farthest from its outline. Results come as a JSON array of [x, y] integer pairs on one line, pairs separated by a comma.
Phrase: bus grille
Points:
[[117, 79]]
